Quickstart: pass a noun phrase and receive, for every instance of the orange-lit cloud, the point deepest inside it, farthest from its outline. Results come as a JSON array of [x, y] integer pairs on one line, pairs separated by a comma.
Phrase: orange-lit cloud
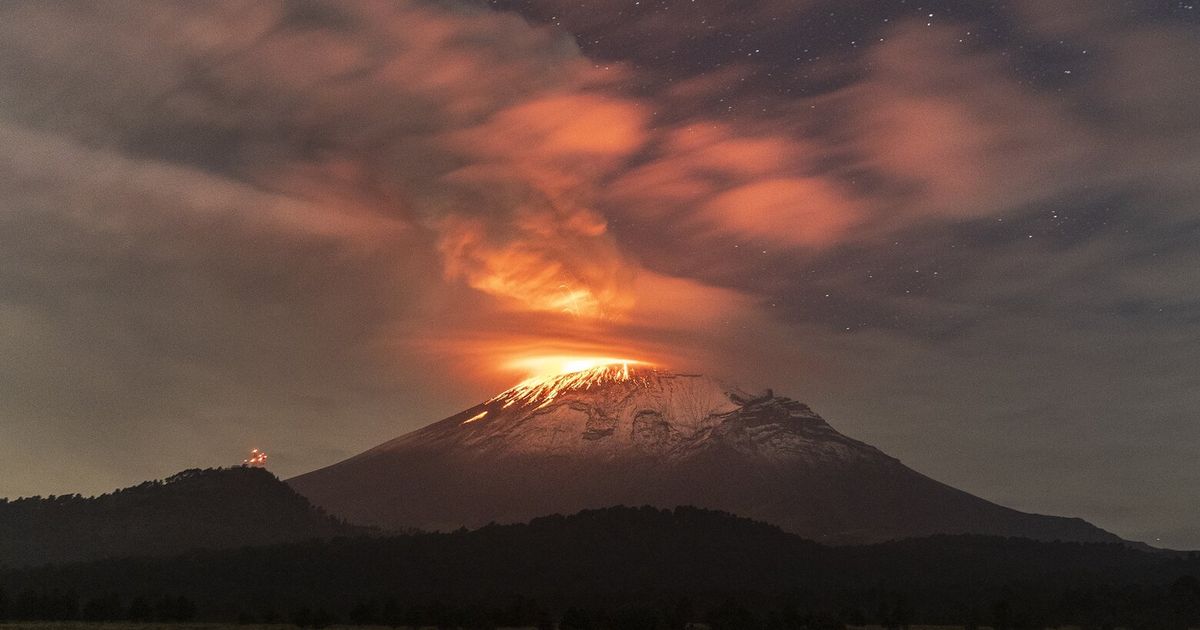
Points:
[[480, 161], [791, 211], [543, 158], [674, 323], [953, 144], [713, 180], [549, 129], [565, 271]]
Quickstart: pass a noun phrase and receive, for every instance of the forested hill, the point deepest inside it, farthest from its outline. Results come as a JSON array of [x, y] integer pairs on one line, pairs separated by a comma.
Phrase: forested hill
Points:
[[646, 562], [213, 508]]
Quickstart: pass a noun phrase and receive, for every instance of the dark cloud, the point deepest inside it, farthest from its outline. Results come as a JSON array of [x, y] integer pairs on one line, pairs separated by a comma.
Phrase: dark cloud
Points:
[[967, 233]]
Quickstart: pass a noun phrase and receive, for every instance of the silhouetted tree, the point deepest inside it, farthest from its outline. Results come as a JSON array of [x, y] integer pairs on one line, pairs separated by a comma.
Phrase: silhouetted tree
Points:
[[46, 606], [902, 613], [392, 613], [105, 608], [1185, 595], [1184, 602], [895, 612], [853, 615], [636, 618], [1002, 615], [302, 617], [731, 615], [682, 614], [178, 608], [364, 614], [576, 619], [321, 618], [140, 610]]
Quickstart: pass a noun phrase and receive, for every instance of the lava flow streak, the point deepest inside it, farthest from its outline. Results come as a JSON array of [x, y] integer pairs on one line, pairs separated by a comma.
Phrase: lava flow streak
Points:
[[475, 417], [576, 374]]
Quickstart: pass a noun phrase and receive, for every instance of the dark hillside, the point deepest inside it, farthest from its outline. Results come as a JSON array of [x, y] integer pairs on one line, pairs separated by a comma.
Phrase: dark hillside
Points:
[[213, 508], [613, 559]]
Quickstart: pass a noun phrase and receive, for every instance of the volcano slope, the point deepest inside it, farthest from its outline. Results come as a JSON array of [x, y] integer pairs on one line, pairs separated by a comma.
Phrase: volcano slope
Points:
[[622, 435]]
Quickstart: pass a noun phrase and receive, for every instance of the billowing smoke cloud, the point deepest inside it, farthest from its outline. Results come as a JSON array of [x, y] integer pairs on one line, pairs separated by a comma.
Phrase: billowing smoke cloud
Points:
[[543, 158], [488, 133]]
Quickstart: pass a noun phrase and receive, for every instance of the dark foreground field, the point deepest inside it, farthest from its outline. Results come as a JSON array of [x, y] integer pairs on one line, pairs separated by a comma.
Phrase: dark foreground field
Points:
[[627, 568], [101, 625]]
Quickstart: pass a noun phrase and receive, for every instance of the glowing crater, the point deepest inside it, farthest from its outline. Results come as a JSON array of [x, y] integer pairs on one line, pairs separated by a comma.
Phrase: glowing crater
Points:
[[557, 375]]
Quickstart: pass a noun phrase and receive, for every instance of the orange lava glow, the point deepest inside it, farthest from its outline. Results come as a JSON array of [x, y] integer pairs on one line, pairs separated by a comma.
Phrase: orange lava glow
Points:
[[552, 376], [257, 459], [557, 365], [478, 416]]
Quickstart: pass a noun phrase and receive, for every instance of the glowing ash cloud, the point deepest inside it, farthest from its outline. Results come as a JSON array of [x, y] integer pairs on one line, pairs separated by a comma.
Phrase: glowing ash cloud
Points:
[[544, 263]]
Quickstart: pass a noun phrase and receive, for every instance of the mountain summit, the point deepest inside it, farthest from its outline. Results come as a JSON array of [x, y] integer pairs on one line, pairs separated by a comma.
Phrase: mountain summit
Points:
[[628, 434]]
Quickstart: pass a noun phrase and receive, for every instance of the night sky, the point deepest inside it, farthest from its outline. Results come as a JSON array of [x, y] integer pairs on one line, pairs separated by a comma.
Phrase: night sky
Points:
[[967, 233]]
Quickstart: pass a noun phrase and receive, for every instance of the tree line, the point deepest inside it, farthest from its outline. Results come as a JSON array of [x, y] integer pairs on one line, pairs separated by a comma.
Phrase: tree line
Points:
[[630, 568], [1177, 608]]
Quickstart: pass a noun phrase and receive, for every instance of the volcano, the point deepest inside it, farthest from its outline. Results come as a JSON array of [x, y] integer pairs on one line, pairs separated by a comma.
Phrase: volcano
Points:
[[632, 435]]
